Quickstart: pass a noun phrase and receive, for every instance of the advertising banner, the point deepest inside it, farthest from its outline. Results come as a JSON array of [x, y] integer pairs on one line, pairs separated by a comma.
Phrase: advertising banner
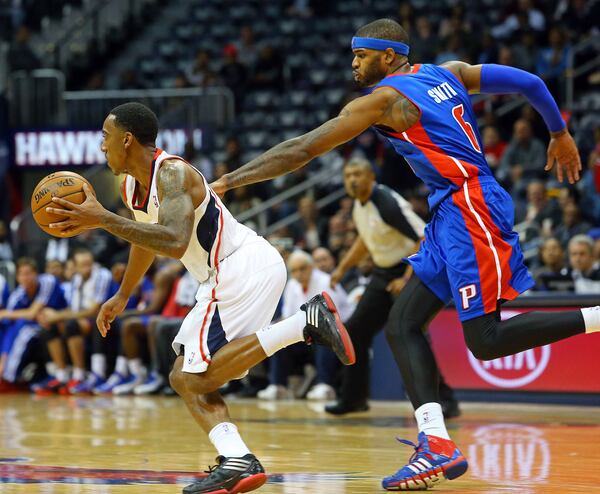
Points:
[[571, 365]]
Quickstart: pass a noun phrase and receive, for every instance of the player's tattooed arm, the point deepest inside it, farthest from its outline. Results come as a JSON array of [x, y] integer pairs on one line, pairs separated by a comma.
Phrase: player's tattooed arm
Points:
[[294, 153], [171, 235], [401, 115]]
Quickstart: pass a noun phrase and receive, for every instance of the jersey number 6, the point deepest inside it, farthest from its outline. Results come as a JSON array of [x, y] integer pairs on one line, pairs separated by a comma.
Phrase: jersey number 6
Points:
[[457, 112]]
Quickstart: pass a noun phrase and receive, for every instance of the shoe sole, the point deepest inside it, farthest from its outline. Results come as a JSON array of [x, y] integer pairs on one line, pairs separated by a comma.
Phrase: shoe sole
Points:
[[346, 411], [426, 480], [350, 356], [245, 485]]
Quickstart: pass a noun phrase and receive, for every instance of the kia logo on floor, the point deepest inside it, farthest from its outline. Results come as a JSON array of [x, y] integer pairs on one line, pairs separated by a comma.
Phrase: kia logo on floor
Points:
[[510, 454]]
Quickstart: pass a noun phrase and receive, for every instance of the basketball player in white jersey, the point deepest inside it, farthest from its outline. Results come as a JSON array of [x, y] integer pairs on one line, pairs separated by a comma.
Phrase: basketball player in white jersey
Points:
[[242, 278]]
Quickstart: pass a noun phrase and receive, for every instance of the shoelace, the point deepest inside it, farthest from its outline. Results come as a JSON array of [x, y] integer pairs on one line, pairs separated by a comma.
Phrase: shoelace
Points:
[[416, 446], [211, 469]]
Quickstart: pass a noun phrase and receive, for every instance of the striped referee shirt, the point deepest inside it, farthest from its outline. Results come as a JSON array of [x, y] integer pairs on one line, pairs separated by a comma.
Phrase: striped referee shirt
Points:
[[388, 226]]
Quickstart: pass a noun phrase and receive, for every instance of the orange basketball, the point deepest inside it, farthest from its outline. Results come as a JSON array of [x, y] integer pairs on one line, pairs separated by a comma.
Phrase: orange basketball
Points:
[[68, 185]]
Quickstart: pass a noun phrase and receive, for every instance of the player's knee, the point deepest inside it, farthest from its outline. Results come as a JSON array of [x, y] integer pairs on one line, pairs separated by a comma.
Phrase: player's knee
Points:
[[483, 351], [399, 328], [50, 334], [72, 328], [481, 338]]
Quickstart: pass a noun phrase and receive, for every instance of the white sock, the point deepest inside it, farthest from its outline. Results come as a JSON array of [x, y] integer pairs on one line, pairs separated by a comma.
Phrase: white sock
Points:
[[226, 438], [51, 368], [430, 420], [121, 366], [99, 364], [136, 367], [284, 333], [591, 318], [78, 374], [62, 375]]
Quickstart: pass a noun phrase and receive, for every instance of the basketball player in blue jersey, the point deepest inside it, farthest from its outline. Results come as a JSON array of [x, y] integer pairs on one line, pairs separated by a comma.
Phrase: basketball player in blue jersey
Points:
[[241, 278], [470, 252]]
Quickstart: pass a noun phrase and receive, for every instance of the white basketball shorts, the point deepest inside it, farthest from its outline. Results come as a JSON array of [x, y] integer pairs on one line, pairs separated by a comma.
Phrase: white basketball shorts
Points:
[[237, 301]]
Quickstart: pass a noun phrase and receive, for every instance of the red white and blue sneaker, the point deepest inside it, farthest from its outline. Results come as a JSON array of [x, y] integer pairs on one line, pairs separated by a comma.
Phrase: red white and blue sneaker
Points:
[[435, 459]]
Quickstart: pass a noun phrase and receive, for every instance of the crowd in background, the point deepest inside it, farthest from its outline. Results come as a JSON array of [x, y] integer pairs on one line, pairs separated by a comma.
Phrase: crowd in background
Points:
[[559, 225]]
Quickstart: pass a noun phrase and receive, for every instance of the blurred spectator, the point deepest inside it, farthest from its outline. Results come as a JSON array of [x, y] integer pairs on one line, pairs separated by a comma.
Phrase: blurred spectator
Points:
[[200, 73], [20, 54], [306, 281], [493, 147], [221, 169], [300, 8], [233, 154], [526, 16], [337, 233], [525, 51], [241, 199], [542, 213], [505, 56], [578, 16], [424, 41], [55, 268], [199, 160], [268, 70], [489, 49], [129, 79], [552, 61], [585, 269], [234, 74], [553, 275], [323, 260], [6, 253], [454, 23], [134, 325], [452, 49], [91, 284], [310, 231], [181, 81], [590, 183], [571, 224], [406, 16], [246, 45], [18, 329], [524, 158]]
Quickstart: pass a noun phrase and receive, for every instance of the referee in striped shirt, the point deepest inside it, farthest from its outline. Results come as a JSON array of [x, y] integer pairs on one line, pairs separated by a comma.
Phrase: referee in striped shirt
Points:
[[388, 230]]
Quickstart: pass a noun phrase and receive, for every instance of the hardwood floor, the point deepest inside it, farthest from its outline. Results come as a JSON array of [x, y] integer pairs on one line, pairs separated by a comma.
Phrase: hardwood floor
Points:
[[66, 445]]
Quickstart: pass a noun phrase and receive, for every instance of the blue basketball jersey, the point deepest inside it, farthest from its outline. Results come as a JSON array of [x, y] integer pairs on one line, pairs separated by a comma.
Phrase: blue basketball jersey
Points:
[[49, 293], [4, 292], [444, 147]]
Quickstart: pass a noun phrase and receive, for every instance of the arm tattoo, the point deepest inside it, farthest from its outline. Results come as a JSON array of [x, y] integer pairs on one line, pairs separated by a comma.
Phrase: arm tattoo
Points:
[[404, 114], [171, 235]]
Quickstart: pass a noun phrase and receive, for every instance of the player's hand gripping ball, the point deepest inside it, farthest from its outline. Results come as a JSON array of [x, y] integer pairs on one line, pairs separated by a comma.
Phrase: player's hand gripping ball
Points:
[[66, 185]]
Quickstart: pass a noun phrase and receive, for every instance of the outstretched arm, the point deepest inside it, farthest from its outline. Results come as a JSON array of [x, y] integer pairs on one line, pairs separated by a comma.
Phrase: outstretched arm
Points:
[[294, 153], [169, 237], [501, 79]]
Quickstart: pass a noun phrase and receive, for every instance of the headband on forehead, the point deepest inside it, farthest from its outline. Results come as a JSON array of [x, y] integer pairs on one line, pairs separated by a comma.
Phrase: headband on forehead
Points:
[[380, 45]]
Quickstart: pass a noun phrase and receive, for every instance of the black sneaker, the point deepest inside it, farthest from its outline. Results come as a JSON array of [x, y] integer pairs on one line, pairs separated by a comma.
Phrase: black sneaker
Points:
[[324, 327], [342, 408], [230, 476]]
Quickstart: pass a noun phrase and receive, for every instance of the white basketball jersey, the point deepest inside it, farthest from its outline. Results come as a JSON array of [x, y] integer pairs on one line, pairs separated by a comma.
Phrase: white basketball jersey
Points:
[[216, 233]]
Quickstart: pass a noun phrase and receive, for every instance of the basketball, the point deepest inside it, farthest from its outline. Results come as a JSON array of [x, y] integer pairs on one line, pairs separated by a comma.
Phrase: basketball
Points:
[[68, 185]]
